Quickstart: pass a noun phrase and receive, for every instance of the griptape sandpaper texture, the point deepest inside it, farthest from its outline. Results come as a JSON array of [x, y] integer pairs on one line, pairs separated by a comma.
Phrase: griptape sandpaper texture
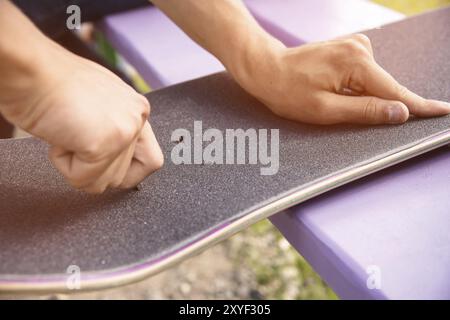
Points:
[[46, 226]]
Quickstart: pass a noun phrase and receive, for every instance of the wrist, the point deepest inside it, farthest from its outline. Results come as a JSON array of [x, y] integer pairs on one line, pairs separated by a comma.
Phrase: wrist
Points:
[[26, 75], [257, 63]]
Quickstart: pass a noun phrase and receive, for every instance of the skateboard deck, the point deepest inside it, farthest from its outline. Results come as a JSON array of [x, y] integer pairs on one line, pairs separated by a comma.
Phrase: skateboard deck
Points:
[[46, 227]]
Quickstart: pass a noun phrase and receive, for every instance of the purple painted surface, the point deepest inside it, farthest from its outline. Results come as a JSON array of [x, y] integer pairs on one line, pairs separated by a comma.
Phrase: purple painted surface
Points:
[[157, 48], [396, 220], [299, 21]]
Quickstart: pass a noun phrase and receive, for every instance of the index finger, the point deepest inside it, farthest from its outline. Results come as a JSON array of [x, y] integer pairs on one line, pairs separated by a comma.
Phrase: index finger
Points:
[[378, 82]]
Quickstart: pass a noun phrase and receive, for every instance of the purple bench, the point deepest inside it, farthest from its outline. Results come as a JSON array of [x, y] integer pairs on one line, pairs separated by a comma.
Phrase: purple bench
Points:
[[298, 21], [392, 225], [157, 48], [347, 246]]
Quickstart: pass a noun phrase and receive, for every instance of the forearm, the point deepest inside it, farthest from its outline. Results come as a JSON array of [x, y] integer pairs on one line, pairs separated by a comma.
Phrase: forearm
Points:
[[22, 49], [227, 30]]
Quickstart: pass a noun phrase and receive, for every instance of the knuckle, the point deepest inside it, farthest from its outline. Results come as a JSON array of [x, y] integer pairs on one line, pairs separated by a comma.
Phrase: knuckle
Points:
[[147, 107], [354, 48], [78, 178], [127, 185], [115, 184], [95, 189], [402, 92], [356, 76], [411, 99], [127, 132], [156, 161], [362, 38], [93, 150], [124, 134], [77, 182], [370, 110], [144, 106]]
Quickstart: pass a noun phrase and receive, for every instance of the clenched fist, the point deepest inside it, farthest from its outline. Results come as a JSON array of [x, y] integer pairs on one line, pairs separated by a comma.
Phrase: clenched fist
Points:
[[95, 124]]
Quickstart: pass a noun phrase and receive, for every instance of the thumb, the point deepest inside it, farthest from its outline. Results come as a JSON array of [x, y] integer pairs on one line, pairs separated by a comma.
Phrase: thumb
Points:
[[147, 158], [369, 110]]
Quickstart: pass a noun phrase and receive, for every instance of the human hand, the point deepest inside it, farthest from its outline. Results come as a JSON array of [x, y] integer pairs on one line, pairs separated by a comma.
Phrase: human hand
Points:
[[95, 124], [332, 82]]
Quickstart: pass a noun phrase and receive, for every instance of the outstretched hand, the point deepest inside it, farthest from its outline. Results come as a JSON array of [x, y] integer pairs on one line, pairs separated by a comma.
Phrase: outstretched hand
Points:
[[335, 81]]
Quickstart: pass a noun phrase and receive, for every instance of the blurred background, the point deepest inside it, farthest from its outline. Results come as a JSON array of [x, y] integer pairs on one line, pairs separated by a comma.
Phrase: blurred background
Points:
[[257, 263]]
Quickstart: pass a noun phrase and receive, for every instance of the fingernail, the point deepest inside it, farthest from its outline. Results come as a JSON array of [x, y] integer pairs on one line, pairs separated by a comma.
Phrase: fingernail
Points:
[[395, 114]]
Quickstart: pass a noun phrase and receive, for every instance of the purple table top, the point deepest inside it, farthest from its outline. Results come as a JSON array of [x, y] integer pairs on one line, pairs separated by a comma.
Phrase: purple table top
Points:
[[297, 21], [157, 48], [393, 224]]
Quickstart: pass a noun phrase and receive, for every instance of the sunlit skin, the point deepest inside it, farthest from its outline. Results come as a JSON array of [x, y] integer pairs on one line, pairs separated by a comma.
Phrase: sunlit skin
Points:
[[97, 125]]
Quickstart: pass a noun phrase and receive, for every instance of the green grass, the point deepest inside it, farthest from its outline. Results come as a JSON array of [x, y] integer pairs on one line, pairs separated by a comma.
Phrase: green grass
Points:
[[410, 7]]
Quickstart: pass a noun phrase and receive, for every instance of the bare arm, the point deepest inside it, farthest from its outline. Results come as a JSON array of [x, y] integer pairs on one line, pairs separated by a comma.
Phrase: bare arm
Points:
[[95, 124], [227, 30], [310, 83], [20, 53]]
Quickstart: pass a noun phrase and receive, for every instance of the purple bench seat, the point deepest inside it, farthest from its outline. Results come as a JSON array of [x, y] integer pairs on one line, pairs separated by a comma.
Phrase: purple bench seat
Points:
[[393, 224], [297, 21], [157, 48]]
